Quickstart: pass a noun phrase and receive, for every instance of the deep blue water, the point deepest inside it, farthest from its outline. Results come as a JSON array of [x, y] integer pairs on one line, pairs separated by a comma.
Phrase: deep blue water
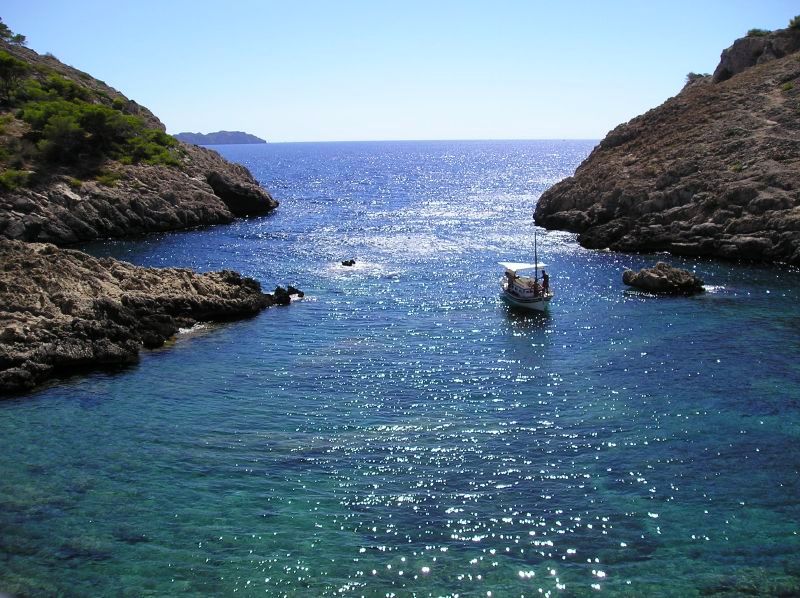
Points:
[[400, 431]]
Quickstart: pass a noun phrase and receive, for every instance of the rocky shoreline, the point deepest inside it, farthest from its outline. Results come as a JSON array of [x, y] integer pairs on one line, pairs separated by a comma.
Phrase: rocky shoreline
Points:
[[61, 309], [206, 189], [714, 171], [116, 173]]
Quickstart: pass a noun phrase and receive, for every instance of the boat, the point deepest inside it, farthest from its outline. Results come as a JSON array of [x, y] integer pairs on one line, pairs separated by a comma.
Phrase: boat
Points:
[[525, 291]]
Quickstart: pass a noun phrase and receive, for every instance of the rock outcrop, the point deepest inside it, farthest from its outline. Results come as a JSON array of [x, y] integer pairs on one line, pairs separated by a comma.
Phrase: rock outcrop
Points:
[[73, 202], [752, 50], [664, 279], [141, 199], [714, 171], [62, 310]]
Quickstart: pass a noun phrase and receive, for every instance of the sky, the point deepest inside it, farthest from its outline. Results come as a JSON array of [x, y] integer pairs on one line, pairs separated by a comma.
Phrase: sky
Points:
[[340, 70]]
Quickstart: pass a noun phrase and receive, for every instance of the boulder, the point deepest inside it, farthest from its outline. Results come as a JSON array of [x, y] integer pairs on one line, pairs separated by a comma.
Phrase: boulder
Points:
[[664, 279], [242, 198], [283, 296], [752, 50]]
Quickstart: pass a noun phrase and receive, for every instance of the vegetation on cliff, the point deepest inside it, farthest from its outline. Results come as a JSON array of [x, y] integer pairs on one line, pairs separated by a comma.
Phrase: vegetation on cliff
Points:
[[49, 120], [80, 161]]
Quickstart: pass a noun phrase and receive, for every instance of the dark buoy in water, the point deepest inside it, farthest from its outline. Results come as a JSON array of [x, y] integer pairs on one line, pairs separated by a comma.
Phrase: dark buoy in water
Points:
[[350, 262]]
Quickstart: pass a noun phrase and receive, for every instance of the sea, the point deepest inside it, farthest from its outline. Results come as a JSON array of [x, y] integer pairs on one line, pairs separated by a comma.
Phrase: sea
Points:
[[400, 431]]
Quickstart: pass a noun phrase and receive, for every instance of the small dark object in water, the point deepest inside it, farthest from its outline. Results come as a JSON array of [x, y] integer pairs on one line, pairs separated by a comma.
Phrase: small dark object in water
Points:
[[350, 262], [282, 296]]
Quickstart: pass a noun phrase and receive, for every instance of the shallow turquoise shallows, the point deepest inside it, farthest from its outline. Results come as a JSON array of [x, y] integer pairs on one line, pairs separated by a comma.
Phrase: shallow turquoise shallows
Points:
[[400, 431]]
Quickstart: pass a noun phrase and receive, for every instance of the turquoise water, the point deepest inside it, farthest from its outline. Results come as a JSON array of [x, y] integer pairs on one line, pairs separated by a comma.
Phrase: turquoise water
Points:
[[402, 432]]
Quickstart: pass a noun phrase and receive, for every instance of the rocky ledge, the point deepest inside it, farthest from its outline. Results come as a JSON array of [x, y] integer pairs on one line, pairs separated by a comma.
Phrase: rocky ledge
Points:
[[713, 171], [135, 199], [664, 279], [63, 310]]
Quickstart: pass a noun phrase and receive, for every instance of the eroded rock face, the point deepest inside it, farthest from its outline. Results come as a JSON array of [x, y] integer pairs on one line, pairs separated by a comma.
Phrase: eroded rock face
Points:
[[750, 51], [142, 199], [664, 279], [714, 171], [62, 309]]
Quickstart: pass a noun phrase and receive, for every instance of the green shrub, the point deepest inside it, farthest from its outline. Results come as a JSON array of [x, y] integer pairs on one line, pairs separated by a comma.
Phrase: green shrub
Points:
[[109, 179], [13, 179], [4, 120], [787, 86], [691, 77], [758, 32], [62, 139], [795, 23], [70, 123], [12, 70], [65, 88], [74, 183]]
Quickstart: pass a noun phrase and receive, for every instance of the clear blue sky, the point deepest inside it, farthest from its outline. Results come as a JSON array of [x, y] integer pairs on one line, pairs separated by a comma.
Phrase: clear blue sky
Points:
[[320, 70]]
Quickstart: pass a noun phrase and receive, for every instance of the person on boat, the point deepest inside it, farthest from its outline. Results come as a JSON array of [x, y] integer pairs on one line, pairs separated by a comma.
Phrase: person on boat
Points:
[[545, 282], [535, 288]]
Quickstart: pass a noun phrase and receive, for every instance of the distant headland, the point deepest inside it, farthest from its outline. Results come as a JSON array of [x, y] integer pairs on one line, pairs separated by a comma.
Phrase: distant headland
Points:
[[219, 138]]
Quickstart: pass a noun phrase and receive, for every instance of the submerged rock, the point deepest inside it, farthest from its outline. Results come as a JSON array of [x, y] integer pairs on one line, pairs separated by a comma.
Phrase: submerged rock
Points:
[[350, 262], [664, 279], [63, 310]]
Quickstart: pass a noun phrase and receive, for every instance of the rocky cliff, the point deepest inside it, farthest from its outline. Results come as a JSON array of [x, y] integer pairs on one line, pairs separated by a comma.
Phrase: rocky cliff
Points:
[[713, 171], [61, 309], [80, 161]]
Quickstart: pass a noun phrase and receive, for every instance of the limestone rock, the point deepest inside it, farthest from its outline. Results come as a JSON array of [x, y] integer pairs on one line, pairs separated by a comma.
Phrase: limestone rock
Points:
[[71, 203], [242, 198], [63, 309], [664, 279], [750, 51], [714, 171]]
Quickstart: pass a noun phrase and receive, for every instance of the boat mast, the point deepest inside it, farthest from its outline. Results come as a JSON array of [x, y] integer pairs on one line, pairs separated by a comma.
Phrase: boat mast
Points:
[[535, 256]]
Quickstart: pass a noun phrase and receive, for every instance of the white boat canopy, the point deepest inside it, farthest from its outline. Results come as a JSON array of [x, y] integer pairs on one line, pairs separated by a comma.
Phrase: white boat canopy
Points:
[[517, 266]]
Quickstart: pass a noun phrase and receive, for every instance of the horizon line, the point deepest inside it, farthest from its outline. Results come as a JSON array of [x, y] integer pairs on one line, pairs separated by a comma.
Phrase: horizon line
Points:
[[413, 140]]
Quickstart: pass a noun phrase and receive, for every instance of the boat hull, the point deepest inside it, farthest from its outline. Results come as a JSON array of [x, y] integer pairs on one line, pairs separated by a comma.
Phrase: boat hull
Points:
[[534, 303]]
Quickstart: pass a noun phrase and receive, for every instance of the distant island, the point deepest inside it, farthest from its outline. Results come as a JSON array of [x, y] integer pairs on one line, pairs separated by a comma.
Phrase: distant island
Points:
[[218, 138]]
